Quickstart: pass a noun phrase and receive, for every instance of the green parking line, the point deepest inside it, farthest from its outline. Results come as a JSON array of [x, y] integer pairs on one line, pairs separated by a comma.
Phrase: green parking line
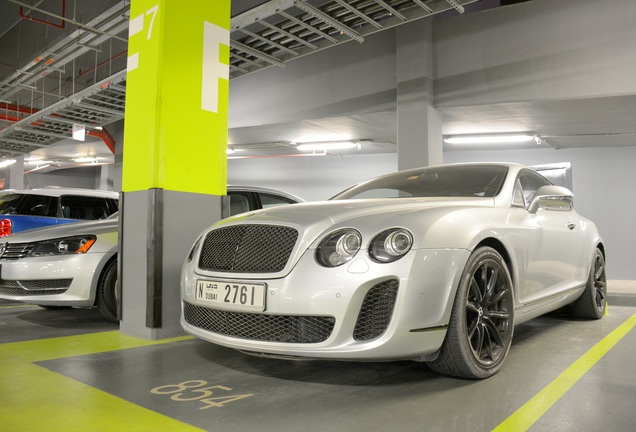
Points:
[[36, 399], [536, 407]]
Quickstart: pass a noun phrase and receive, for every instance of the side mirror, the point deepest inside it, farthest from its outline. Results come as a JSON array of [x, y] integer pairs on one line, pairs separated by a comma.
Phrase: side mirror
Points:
[[551, 198]]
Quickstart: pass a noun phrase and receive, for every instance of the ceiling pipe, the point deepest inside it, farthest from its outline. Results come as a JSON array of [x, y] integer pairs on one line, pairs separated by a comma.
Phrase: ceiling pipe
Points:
[[48, 23], [72, 21], [82, 73], [103, 134], [17, 108]]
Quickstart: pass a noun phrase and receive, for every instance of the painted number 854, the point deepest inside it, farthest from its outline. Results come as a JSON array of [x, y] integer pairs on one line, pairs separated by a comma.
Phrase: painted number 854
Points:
[[195, 390]]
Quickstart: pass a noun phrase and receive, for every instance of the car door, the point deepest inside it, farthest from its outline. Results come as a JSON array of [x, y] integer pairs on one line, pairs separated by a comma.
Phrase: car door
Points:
[[552, 246]]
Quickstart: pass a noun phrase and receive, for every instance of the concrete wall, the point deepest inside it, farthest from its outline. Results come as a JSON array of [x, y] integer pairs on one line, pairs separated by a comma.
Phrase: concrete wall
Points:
[[84, 177], [603, 180]]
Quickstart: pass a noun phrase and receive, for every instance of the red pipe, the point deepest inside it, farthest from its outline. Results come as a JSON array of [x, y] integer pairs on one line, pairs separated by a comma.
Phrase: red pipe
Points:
[[104, 136], [9, 117], [17, 108], [60, 26], [81, 74]]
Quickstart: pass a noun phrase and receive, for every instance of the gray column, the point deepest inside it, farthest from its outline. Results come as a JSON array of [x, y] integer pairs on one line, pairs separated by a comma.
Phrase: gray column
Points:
[[16, 174], [105, 180], [419, 125], [152, 250]]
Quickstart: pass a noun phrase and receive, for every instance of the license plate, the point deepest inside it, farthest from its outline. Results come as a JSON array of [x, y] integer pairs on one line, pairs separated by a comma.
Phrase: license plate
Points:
[[231, 294]]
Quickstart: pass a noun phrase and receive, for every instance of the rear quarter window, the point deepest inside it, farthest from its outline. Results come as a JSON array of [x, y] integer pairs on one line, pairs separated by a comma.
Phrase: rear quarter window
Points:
[[86, 208]]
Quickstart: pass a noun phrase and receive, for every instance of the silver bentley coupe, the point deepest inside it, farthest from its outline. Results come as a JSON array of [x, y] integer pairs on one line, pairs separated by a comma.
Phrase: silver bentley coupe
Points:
[[433, 264]]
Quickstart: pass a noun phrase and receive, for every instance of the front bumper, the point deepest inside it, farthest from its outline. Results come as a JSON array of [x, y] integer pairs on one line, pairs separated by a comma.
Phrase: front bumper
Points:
[[426, 281], [63, 281]]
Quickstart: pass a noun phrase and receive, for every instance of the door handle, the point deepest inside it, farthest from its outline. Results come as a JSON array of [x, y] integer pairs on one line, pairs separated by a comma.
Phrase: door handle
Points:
[[571, 225]]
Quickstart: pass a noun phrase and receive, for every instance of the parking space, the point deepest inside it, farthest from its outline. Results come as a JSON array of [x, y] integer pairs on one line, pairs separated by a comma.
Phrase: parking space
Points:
[[100, 377]]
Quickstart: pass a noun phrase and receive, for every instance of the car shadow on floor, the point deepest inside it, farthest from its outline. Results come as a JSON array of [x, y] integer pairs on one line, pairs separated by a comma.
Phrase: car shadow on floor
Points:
[[328, 372], [27, 322]]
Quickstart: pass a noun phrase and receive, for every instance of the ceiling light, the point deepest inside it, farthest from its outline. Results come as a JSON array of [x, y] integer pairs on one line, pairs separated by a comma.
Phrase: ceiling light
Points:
[[37, 162], [324, 146], [85, 159], [230, 151], [6, 163], [489, 139]]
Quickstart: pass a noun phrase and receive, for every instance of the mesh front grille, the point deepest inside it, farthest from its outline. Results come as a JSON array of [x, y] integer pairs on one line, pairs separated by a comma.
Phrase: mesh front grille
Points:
[[16, 250], [248, 249], [266, 328], [34, 287], [376, 311]]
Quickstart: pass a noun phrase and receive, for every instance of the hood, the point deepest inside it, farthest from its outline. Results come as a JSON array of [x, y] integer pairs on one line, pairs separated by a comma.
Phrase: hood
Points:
[[339, 211], [312, 219]]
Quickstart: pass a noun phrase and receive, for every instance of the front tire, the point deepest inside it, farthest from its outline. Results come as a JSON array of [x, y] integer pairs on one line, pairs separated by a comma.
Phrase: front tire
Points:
[[592, 303], [106, 292], [481, 324]]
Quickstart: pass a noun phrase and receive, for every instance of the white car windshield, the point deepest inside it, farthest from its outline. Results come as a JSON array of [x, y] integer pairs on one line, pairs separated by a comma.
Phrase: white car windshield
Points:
[[442, 181]]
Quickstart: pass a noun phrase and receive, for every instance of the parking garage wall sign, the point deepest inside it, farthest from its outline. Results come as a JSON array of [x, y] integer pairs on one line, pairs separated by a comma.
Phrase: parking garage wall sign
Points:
[[175, 135]]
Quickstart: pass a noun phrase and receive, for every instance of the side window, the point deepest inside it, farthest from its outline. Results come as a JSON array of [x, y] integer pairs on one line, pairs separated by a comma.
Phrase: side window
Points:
[[240, 202], [113, 206], [269, 200], [530, 182], [9, 204], [84, 207], [38, 205]]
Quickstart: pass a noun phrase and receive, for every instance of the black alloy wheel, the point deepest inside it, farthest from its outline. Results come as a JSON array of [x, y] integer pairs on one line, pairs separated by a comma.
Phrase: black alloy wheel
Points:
[[481, 325], [592, 303]]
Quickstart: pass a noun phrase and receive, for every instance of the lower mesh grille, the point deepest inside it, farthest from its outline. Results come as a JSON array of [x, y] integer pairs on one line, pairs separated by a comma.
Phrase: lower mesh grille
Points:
[[259, 327], [34, 287], [376, 311]]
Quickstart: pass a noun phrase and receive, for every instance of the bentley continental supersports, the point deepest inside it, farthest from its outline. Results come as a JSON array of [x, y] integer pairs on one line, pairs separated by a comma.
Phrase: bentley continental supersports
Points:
[[434, 264]]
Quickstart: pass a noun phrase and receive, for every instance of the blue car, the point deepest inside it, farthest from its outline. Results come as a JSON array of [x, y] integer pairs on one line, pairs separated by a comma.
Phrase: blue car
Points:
[[22, 210]]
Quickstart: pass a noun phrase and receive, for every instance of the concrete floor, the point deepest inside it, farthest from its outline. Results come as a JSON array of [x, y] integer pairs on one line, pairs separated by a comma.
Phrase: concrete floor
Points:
[[69, 370]]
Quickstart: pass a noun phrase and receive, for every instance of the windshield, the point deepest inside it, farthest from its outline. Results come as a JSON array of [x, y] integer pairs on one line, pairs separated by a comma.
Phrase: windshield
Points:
[[441, 181]]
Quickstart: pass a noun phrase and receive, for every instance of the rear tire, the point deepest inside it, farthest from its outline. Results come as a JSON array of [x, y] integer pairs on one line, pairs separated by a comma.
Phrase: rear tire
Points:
[[592, 303], [107, 293], [481, 325]]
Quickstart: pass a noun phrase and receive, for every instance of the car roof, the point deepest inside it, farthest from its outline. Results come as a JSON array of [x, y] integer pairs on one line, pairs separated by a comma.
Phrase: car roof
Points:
[[66, 191]]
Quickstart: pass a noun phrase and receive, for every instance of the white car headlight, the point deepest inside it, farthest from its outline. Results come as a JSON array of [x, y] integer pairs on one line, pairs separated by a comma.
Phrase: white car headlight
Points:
[[63, 246], [338, 247], [390, 245]]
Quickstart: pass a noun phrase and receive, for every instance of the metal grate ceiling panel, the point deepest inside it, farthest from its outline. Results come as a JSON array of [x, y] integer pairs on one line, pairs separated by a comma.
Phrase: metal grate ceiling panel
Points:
[[269, 35]]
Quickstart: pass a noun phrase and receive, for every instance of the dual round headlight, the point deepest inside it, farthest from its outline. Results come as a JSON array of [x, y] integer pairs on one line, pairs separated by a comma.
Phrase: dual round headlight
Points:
[[390, 245], [339, 247], [342, 245]]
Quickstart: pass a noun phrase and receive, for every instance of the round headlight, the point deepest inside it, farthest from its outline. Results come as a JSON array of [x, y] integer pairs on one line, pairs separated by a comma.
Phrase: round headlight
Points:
[[338, 247], [390, 245]]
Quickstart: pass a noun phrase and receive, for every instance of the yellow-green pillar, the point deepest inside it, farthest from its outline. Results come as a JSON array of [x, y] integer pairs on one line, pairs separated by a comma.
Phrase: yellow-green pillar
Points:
[[174, 159]]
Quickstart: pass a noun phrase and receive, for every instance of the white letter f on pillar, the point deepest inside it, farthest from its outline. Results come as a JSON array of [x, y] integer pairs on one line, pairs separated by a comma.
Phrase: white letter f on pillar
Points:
[[213, 37]]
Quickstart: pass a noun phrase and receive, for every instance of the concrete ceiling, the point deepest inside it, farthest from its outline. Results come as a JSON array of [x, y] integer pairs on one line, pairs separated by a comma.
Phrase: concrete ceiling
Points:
[[607, 121]]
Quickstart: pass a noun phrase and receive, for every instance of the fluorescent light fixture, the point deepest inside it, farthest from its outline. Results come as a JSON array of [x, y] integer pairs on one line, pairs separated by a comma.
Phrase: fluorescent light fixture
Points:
[[38, 162], [324, 146], [230, 150], [6, 163], [489, 139], [85, 159]]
